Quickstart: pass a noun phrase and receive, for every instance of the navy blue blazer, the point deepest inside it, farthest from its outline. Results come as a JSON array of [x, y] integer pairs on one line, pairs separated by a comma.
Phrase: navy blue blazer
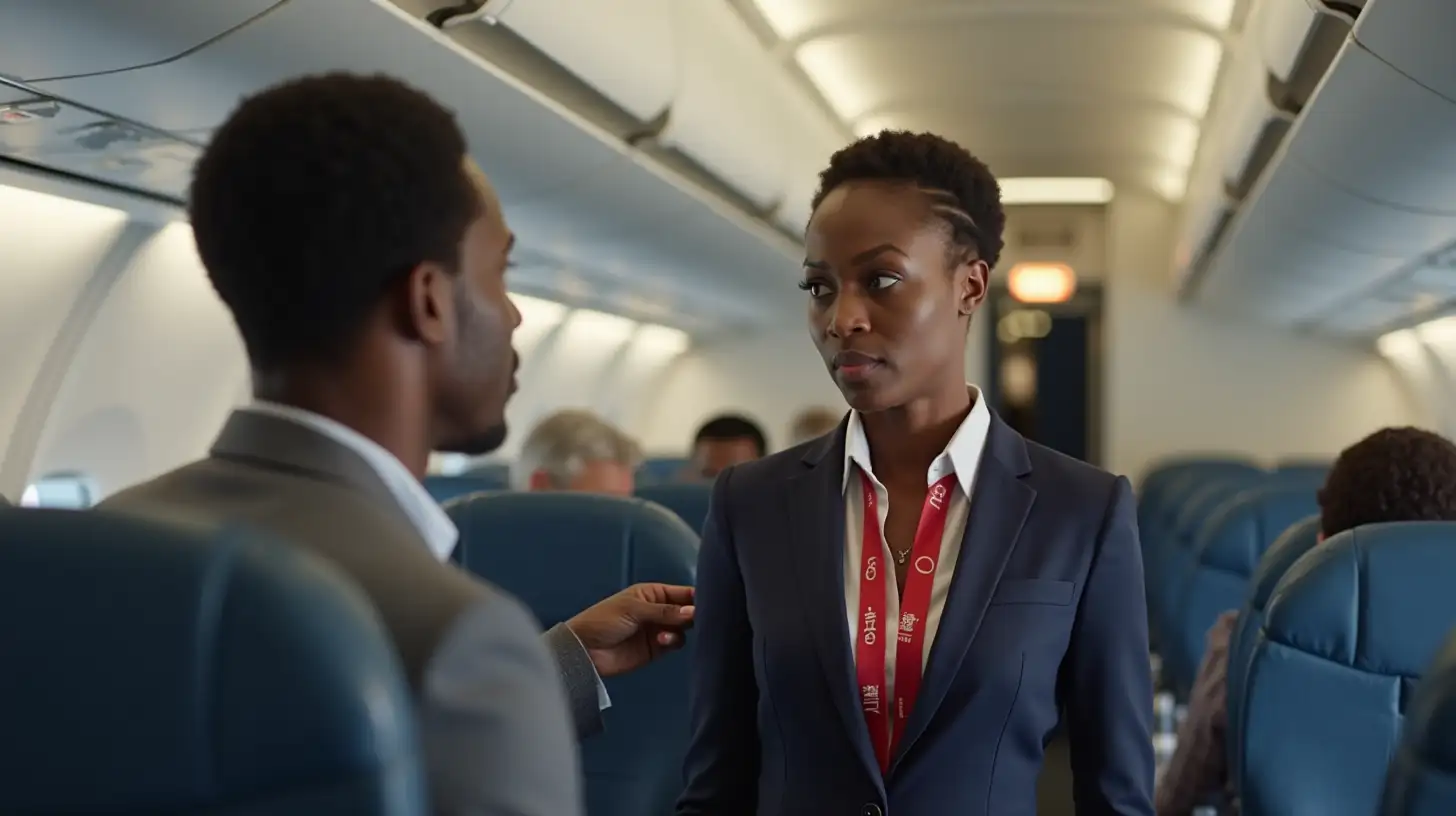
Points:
[[1045, 616]]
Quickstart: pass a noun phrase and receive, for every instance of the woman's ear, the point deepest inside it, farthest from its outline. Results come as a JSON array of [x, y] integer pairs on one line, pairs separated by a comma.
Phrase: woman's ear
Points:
[[972, 279]]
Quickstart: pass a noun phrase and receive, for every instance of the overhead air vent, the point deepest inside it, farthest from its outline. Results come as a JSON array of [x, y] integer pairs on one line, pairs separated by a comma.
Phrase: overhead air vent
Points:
[[77, 141]]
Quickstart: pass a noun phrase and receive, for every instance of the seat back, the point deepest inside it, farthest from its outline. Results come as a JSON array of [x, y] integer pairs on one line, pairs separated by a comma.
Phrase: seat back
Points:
[[1281, 555], [155, 668], [660, 470], [1422, 779], [1225, 554], [1347, 632], [497, 473], [448, 488], [562, 552], [1172, 558], [688, 501]]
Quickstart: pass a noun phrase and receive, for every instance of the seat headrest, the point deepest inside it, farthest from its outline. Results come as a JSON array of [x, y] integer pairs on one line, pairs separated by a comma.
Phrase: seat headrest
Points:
[[498, 473], [1235, 536], [660, 470], [1365, 598], [175, 669], [1281, 555], [448, 488], [1202, 496], [1312, 471], [556, 550], [689, 501]]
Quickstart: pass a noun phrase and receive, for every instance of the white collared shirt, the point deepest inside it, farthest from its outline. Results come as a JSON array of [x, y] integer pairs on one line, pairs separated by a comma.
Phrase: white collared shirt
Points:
[[423, 512], [961, 457]]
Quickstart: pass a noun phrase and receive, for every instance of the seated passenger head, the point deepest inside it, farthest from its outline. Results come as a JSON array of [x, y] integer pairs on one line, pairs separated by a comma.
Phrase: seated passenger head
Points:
[[905, 230], [1394, 474], [812, 423], [725, 441], [576, 450], [363, 258]]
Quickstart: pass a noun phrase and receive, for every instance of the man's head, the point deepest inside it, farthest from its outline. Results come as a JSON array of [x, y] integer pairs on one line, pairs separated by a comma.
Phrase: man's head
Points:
[[812, 423], [725, 441], [362, 257], [1394, 474], [575, 450]]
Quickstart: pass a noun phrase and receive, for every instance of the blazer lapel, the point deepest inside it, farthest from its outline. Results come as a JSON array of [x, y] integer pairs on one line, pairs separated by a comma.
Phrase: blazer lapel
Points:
[[998, 510], [815, 504]]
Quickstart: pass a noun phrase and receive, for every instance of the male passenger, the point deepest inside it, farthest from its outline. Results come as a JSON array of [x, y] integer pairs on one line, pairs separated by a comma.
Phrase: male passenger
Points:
[[577, 450], [363, 262], [812, 423], [1395, 474], [722, 442]]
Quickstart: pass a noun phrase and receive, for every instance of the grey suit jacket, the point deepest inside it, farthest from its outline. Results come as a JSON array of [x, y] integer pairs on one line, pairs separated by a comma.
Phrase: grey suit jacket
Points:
[[496, 735]]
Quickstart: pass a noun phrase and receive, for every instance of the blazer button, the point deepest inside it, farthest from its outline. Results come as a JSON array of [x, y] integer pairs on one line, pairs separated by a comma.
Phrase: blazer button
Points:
[[871, 809]]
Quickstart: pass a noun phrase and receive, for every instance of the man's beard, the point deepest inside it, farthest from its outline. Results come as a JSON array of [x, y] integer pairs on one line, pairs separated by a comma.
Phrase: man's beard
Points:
[[480, 444]]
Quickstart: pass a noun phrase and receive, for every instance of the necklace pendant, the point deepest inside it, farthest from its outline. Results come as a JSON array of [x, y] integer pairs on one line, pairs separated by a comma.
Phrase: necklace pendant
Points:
[[901, 556]]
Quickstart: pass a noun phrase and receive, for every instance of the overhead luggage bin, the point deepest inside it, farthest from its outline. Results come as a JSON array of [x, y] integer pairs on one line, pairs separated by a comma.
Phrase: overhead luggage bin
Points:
[[626, 49], [42, 39], [1414, 36], [1383, 136]]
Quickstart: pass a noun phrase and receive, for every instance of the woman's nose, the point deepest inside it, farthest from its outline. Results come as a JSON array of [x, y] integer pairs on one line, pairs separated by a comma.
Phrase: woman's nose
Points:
[[848, 316]]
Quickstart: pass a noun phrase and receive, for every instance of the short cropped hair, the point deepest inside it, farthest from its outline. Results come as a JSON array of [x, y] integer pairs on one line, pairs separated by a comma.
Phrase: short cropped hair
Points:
[[732, 426], [1394, 474], [812, 423], [563, 443], [961, 188], [318, 194]]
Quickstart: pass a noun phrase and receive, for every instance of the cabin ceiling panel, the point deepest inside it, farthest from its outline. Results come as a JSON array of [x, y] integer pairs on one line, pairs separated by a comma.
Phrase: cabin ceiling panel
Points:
[[42, 39], [998, 73]]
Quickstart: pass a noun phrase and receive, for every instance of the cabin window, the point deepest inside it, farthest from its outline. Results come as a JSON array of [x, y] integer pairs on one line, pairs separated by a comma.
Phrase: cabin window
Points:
[[67, 491]]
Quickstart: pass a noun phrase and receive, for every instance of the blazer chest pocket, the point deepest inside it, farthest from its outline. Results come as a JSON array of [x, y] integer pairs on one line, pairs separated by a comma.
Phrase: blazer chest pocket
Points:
[[1033, 591]]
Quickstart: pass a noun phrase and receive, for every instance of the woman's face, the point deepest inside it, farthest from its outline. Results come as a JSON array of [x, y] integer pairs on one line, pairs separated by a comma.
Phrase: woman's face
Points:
[[889, 295]]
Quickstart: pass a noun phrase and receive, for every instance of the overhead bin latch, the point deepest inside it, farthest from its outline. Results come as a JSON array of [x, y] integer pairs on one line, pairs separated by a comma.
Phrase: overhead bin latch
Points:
[[473, 11]]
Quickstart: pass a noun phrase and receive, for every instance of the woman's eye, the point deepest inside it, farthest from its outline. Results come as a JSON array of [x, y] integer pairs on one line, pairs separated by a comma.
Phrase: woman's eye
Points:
[[883, 281], [814, 288]]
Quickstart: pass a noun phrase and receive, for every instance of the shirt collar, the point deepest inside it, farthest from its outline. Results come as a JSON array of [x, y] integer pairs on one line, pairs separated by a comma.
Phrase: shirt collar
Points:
[[423, 512], [961, 457]]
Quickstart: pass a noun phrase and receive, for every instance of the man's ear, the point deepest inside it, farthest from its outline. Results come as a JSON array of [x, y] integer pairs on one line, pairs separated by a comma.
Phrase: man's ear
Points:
[[426, 311], [972, 279]]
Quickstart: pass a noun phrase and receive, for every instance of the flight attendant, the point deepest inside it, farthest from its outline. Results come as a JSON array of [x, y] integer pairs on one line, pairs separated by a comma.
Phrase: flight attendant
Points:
[[893, 618]]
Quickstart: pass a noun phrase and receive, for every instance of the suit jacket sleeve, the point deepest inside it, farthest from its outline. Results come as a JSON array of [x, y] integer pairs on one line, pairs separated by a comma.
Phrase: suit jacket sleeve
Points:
[[496, 738], [584, 692], [1107, 679], [721, 767]]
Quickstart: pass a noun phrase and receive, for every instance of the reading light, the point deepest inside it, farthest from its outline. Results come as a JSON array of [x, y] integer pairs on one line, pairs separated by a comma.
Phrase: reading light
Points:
[[1053, 190], [1042, 282]]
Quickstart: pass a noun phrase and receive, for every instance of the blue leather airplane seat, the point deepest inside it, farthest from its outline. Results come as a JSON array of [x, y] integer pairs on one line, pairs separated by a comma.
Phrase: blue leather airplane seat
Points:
[[562, 552], [174, 669], [1348, 631], [1281, 555], [1225, 555], [688, 501]]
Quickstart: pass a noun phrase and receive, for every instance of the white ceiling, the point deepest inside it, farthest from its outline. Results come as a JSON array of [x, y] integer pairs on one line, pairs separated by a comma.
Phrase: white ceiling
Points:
[[1111, 88]]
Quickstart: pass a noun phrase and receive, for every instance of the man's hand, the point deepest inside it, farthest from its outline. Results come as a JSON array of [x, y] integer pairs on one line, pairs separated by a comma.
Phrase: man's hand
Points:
[[634, 627]]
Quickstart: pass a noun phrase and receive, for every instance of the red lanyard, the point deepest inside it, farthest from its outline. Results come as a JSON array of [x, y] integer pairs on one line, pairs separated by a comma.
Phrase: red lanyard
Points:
[[874, 585]]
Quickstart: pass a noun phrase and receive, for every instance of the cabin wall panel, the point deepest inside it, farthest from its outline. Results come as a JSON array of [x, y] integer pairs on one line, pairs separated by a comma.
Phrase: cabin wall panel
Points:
[[52, 250], [153, 379]]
